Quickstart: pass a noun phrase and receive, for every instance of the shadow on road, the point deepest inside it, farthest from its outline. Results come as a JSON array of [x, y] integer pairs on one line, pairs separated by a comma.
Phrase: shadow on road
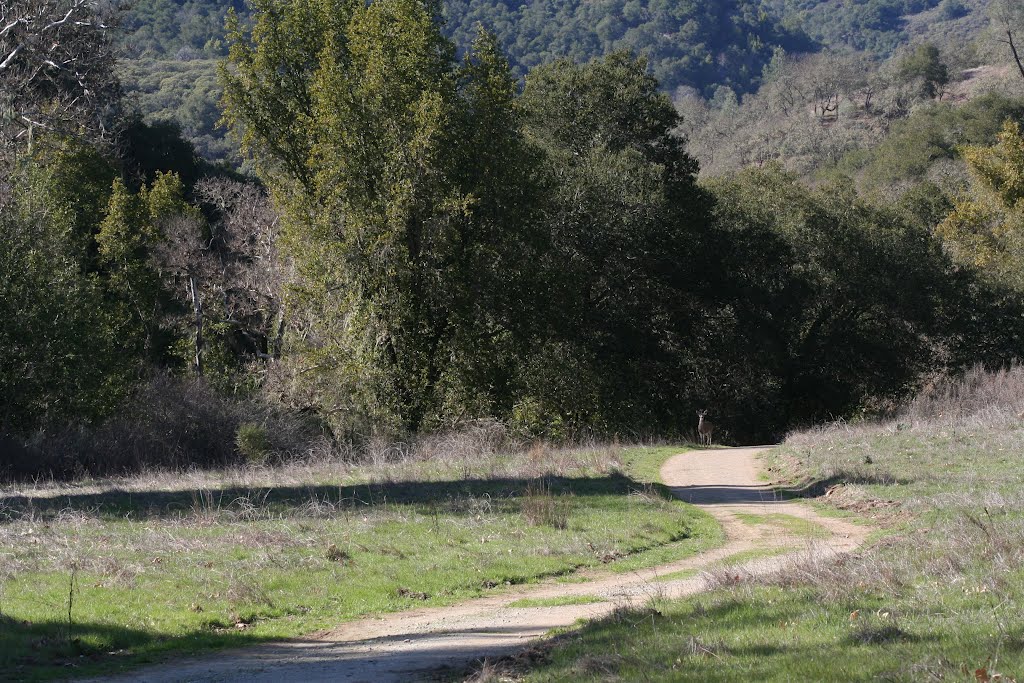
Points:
[[726, 495]]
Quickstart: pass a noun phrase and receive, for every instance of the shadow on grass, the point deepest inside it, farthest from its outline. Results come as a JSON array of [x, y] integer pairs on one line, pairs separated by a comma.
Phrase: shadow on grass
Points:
[[448, 497], [47, 649], [815, 488], [728, 629]]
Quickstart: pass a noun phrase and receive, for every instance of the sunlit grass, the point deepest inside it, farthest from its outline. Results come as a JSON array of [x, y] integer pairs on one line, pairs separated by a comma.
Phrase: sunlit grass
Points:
[[795, 526], [559, 601], [153, 570], [936, 598]]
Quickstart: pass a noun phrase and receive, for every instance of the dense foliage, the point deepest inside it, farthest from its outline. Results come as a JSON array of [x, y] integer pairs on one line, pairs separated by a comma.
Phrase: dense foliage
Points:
[[697, 44], [722, 46], [700, 44], [431, 242], [875, 25]]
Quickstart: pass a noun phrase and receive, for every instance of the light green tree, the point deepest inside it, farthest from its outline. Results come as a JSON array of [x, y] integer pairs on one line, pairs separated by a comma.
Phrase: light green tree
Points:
[[125, 241], [986, 229], [385, 159]]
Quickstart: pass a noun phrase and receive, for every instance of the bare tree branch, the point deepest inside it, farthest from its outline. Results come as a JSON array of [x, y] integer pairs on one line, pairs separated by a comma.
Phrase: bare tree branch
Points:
[[57, 70]]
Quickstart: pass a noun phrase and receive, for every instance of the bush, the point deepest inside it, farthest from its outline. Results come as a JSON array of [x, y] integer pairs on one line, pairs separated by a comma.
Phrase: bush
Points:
[[170, 423], [253, 443], [952, 9]]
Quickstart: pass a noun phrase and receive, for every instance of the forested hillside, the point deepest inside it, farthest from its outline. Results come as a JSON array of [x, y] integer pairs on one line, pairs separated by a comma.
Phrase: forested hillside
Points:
[[697, 44], [168, 45], [700, 44]]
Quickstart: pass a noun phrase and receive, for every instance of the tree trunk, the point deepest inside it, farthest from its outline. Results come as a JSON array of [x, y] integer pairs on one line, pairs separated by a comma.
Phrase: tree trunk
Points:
[[1013, 49], [197, 309], [278, 342]]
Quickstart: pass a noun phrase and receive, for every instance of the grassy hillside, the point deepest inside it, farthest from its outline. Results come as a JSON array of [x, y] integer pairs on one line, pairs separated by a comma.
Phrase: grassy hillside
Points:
[[936, 597]]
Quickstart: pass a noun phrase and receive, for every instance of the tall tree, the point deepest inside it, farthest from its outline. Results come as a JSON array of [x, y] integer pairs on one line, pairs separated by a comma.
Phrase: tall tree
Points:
[[986, 229], [388, 213], [625, 263], [65, 356]]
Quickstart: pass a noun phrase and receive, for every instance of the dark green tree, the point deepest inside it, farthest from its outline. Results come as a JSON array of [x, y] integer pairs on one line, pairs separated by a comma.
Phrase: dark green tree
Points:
[[925, 63], [623, 273]]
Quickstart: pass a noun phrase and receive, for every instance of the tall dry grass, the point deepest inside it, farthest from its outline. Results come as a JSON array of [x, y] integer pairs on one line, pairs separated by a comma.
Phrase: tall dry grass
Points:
[[978, 397], [946, 470], [479, 450]]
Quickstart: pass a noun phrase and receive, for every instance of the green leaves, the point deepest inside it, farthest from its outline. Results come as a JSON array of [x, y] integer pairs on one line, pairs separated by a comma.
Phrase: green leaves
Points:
[[379, 207], [986, 228]]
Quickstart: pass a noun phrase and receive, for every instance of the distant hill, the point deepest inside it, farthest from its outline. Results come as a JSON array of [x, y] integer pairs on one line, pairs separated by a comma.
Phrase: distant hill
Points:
[[700, 44], [877, 26], [696, 43]]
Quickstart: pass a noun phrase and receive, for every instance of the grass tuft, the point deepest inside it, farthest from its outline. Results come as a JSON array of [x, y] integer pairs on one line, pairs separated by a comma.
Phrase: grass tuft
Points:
[[542, 508]]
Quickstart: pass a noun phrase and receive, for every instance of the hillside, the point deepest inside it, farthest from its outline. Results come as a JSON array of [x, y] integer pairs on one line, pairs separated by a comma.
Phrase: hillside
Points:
[[723, 42], [701, 45], [691, 47]]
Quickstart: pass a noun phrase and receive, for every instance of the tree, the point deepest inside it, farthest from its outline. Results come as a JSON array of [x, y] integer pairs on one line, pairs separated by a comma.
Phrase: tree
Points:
[[56, 71], [986, 229], [625, 262], [845, 297], [385, 160], [65, 356], [925, 64], [1008, 23], [268, 82], [227, 273]]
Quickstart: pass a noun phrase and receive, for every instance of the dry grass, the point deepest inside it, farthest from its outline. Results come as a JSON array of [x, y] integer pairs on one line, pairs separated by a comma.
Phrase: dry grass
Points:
[[949, 459], [542, 508], [936, 596], [477, 451]]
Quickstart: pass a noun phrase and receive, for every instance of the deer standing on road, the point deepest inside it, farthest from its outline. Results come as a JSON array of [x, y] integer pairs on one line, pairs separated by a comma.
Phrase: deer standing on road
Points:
[[704, 428]]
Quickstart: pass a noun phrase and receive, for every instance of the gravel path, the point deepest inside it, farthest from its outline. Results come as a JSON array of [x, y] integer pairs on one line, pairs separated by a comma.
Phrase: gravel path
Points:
[[409, 646]]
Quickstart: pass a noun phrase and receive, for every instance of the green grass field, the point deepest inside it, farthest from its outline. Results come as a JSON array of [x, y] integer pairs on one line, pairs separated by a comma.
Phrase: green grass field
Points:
[[109, 575], [937, 595]]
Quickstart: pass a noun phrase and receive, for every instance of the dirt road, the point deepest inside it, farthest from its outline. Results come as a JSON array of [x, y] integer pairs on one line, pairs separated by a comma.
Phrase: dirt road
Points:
[[408, 646]]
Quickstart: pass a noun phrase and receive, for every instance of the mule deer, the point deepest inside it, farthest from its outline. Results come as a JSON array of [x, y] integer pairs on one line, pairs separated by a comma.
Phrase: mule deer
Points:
[[704, 428]]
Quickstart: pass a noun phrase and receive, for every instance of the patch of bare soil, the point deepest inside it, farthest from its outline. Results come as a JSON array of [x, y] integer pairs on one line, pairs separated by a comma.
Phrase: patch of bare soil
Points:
[[416, 645]]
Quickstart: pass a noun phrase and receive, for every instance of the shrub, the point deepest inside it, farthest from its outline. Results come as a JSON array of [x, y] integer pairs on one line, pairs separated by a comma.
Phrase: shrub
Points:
[[171, 423], [253, 443], [952, 9], [542, 508]]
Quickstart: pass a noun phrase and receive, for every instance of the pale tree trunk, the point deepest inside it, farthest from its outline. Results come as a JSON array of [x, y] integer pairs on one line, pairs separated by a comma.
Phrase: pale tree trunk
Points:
[[197, 309]]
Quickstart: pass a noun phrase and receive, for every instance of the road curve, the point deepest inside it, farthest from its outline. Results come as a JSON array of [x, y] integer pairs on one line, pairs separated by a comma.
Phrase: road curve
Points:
[[410, 645]]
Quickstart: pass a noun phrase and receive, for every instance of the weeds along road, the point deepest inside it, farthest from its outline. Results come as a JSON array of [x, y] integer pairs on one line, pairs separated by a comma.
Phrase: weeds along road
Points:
[[410, 645]]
